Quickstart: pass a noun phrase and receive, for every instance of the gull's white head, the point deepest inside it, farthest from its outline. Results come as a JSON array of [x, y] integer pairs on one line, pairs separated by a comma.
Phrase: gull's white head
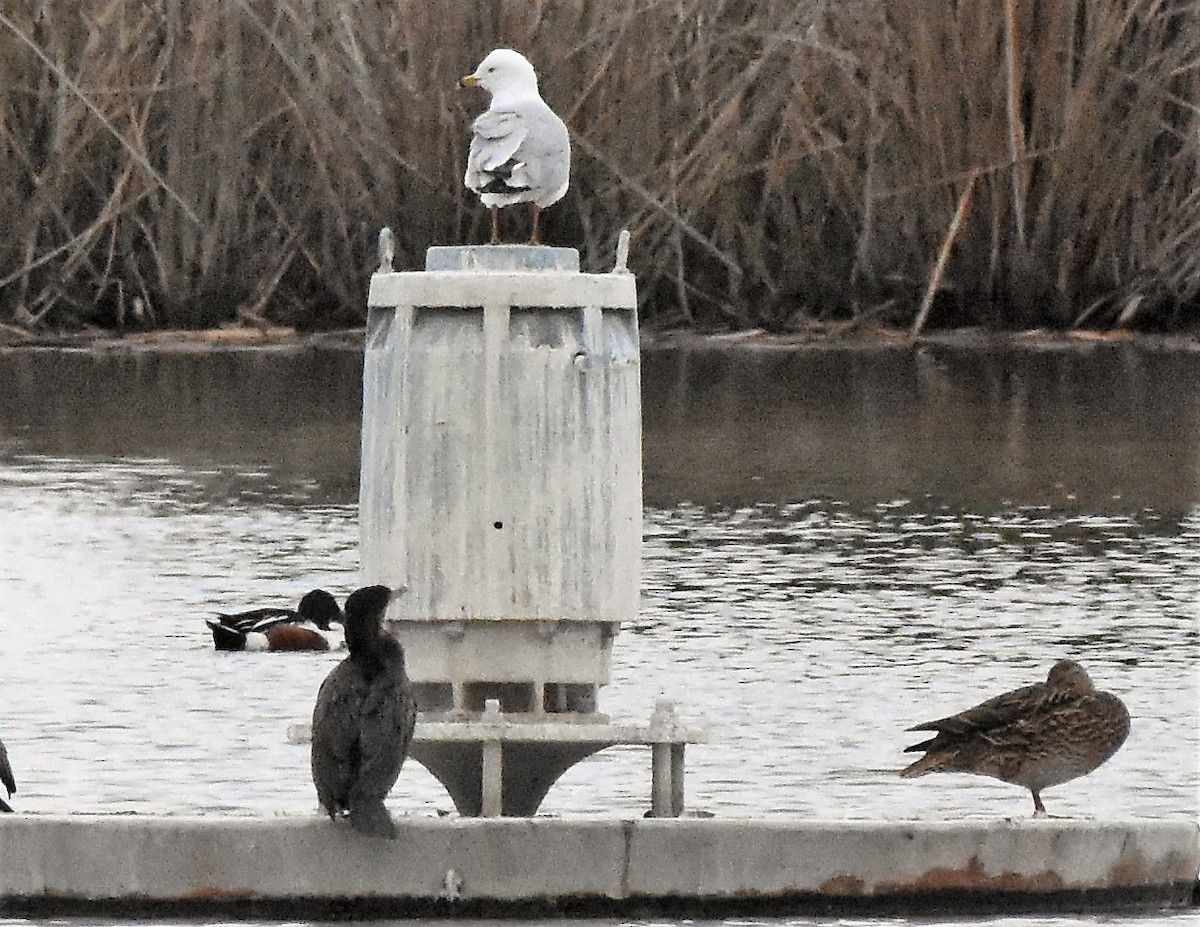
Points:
[[504, 72]]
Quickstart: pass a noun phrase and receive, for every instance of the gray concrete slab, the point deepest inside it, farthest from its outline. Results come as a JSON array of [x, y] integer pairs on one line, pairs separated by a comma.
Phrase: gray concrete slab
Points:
[[725, 858], [531, 751], [459, 865], [486, 258]]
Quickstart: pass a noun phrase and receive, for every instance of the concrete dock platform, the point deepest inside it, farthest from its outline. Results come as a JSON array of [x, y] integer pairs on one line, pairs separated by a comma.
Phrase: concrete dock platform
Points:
[[310, 867]]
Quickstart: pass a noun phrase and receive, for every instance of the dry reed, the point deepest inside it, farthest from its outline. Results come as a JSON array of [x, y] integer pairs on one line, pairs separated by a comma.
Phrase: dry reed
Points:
[[179, 164]]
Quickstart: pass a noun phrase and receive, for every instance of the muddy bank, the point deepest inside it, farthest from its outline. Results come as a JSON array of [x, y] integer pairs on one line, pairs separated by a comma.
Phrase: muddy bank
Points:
[[841, 335]]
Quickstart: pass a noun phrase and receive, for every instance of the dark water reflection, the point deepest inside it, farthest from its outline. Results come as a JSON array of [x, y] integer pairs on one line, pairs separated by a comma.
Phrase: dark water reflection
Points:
[[294, 411], [838, 544], [1104, 428], [1110, 428]]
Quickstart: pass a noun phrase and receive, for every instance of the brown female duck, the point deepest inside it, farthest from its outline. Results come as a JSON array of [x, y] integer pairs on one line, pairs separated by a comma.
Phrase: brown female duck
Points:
[[1036, 736]]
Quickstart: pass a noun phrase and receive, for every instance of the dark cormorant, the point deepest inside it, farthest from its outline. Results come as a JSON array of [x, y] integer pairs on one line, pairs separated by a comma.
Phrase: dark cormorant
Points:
[[1036, 736], [305, 628], [6, 776], [364, 718]]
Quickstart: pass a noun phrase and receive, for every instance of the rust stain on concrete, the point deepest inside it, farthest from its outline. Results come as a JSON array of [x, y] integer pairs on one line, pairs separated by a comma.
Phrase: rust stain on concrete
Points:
[[844, 885], [1132, 869], [974, 876]]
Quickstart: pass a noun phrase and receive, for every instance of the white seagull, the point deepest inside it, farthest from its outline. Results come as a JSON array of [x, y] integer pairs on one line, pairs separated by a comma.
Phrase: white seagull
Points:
[[520, 150]]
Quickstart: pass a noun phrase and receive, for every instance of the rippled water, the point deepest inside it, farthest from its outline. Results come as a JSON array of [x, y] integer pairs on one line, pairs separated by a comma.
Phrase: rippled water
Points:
[[808, 635], [808, 629]]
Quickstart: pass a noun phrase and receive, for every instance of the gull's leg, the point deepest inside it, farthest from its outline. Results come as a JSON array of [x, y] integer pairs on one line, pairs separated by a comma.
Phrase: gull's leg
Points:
[[495, 225], [534, 239]]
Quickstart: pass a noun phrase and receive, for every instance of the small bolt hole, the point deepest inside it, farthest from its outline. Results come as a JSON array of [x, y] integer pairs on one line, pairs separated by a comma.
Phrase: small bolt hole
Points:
[[497, 525]]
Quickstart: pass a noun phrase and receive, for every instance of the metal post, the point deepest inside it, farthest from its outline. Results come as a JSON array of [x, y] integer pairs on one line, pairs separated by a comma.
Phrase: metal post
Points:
[[666, 789], [676, 779], [660, 780], [492, 772]]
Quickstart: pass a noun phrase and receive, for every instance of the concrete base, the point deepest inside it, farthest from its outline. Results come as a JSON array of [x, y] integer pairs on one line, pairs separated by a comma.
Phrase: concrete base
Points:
[[496, 763], [483, 258], [458, 664], [312, 867], [510, 779]]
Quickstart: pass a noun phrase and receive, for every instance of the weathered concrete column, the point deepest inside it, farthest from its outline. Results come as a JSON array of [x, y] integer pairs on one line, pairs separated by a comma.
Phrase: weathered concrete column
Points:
[[501, 473], [502, 486]]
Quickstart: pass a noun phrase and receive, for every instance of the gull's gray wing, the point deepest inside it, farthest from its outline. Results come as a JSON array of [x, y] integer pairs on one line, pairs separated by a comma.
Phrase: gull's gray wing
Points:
[[495, 138]]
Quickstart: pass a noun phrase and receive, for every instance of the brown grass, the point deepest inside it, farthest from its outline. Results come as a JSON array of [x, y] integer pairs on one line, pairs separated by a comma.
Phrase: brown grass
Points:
[[177, 163]]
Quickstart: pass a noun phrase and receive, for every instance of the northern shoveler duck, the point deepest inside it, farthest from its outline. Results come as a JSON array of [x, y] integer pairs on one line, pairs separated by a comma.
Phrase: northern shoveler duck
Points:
[[6, 776], [1036, 736], [363, 720], [305, 628]]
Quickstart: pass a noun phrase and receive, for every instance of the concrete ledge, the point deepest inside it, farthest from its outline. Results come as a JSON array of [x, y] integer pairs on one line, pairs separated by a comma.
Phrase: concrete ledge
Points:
[[262, 867], [456, 289]]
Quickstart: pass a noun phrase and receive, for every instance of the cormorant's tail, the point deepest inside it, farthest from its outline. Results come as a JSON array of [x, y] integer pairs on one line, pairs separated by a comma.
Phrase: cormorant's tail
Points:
[[373, 820]]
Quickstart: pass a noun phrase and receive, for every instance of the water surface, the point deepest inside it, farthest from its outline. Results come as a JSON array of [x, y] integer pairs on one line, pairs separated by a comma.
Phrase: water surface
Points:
[[809, 635], [836, 547]]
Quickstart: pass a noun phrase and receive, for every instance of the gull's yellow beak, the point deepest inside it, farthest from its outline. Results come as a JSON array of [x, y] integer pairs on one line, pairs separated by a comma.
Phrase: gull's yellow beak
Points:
[[469, 81]]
